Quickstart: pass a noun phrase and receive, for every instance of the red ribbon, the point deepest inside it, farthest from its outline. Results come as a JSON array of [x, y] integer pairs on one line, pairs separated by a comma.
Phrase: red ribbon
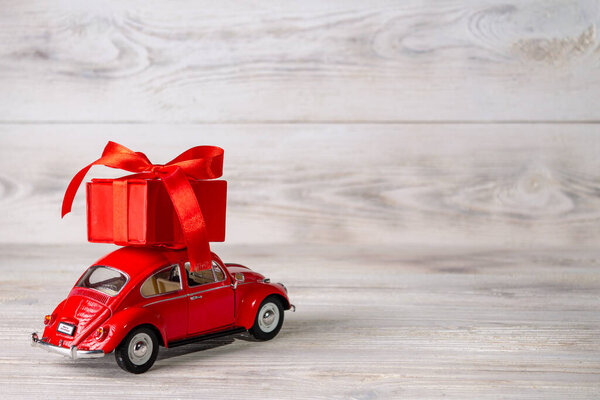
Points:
[[201, 162]]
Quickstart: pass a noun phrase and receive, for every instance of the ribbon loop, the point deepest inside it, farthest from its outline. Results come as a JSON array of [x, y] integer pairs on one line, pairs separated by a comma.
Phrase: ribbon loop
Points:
[[200, 162]]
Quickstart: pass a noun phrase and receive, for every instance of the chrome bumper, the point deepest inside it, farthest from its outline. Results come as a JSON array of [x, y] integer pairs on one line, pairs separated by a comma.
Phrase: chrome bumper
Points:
[[72, 353]]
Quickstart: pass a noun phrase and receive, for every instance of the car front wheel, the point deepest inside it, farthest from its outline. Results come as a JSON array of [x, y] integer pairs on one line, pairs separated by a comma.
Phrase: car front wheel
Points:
[[269, 319], [138, 351]]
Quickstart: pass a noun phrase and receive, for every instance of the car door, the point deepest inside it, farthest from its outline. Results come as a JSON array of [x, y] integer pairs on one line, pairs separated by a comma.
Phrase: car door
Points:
[[164, 295], [210, 299]]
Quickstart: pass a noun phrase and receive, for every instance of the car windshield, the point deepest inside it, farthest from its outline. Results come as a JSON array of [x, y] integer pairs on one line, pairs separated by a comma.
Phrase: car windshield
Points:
[[104, 279]]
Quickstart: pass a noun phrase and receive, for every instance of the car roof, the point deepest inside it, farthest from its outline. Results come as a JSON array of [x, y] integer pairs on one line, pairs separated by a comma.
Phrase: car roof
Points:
[[135, 261], [139, 261]]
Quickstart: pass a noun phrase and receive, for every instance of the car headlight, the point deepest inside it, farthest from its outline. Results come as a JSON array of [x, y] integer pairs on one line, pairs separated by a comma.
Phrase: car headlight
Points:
[[284, 288]]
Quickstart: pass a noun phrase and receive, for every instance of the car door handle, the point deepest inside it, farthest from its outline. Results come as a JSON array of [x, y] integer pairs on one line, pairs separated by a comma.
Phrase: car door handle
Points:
[[195, 297]]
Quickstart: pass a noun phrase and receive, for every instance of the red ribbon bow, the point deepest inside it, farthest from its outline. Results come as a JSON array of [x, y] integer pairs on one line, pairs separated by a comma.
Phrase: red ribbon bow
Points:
[[201, 162]]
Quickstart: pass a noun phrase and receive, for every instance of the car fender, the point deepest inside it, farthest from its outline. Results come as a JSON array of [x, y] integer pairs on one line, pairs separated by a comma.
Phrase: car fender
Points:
[[121, 323], [251, 295]]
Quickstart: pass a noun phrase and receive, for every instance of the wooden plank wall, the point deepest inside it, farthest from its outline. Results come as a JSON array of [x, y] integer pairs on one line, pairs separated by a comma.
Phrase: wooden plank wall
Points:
[[466, 185], [425, 177], [312, 61]]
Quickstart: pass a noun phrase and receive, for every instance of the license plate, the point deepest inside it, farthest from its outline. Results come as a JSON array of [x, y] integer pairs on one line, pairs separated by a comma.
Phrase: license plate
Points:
[[67, 329]]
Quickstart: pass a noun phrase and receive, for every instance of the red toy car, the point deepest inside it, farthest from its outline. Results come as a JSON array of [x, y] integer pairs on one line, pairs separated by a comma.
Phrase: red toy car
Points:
[[134, 300]]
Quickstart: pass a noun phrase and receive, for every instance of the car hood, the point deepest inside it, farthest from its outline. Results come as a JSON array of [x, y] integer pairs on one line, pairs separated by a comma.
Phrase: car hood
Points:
[[85, 313], [249, 275]]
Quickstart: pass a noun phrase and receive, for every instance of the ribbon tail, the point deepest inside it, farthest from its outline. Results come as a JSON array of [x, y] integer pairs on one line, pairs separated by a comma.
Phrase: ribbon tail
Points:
[[191, 219], [72, 189], [113, 156]]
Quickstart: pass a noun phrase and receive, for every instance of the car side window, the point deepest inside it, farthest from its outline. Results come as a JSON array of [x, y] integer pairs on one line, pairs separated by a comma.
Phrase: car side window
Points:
[[166, 280], [203, 277], [219, 274]]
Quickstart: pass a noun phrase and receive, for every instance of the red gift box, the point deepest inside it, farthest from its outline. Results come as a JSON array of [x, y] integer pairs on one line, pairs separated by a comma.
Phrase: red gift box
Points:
[[132, 211], [137, 210]]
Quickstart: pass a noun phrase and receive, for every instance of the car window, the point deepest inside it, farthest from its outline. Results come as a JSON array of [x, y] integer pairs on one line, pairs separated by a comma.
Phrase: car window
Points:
[[164, 281], [203, 277], [103, 279], [218, 272]]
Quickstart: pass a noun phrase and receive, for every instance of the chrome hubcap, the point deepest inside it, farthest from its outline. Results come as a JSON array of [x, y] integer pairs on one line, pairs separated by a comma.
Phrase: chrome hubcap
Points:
[[140, 348], [268, 317]]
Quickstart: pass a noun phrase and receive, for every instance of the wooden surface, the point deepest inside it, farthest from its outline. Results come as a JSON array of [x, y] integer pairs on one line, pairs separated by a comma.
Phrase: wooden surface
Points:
[[377, 322], [339, 61], [423, 176], [477, 185], [421, 267]]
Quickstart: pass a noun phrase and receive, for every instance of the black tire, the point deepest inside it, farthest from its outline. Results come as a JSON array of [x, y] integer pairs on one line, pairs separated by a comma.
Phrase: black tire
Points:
[[137, 361], [264, 327]]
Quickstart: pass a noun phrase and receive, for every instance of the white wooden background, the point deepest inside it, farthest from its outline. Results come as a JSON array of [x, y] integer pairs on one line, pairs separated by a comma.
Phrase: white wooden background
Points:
[[424, 177]]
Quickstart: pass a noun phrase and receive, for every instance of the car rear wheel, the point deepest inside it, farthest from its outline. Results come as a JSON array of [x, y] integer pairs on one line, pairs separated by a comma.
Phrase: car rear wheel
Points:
[[269, 319], [138, 351]]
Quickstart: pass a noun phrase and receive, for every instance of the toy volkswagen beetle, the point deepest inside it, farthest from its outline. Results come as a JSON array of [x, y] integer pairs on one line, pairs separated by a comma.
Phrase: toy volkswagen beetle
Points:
[[135, 299]]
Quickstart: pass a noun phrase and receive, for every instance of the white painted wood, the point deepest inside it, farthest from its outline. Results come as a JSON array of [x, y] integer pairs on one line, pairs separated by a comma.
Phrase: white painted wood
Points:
[[515, 186], [381, 60], [373, 322], [427, 259]]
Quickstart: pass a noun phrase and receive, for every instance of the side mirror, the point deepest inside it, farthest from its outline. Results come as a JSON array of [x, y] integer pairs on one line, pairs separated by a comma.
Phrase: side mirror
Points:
[[237, 278]]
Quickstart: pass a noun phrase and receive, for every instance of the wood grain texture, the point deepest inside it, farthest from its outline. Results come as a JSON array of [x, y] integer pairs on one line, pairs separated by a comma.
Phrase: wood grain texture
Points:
[[374, 322], [505, 186], [424, 177], [383, 60]]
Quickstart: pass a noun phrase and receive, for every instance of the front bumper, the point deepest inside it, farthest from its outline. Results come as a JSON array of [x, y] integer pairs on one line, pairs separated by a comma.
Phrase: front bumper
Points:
[[72, 353]]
